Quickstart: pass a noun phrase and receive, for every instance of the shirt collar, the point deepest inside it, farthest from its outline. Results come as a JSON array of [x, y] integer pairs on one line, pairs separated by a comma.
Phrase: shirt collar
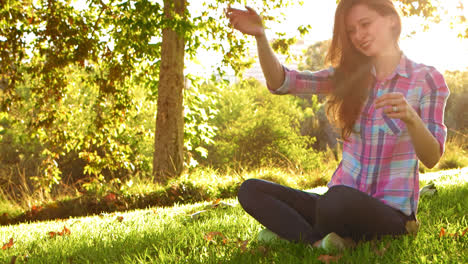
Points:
[[404, 68]]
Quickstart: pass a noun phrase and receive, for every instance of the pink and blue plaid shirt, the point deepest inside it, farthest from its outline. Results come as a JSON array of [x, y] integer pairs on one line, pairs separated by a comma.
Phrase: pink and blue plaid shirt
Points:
[[379, 158]]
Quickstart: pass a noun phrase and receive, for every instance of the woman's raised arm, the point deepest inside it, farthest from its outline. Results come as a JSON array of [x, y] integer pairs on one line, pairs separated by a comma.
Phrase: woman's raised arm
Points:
[[250, 23]]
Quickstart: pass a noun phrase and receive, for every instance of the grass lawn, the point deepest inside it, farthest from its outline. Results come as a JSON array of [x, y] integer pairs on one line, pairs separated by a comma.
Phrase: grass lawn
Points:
[[225, 234]]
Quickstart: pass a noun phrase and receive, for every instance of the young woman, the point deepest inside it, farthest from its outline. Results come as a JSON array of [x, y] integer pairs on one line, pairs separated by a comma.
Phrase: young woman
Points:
[[390, 112]]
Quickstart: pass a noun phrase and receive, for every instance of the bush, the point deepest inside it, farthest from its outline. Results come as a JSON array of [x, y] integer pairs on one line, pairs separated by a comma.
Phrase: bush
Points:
[[256, 129], [456, 116]]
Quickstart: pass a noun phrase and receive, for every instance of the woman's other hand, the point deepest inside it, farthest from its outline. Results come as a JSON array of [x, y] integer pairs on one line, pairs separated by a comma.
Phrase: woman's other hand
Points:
[[246, 21], [396, 106]]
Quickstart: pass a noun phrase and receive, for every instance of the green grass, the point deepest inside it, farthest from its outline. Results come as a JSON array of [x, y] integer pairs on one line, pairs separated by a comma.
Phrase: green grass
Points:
[[170, 235], [198, 185]]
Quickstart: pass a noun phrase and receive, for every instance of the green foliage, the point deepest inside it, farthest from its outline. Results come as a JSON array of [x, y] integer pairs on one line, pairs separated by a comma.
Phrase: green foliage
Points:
[[199, 110], [65, 60], [95, 144], [68, 76], [315, 56], [84, 138], [256, 128], [456, 116]]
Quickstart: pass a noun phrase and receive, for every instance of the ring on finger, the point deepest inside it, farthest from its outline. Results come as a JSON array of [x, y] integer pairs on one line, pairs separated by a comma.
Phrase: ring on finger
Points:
[[394, 108]]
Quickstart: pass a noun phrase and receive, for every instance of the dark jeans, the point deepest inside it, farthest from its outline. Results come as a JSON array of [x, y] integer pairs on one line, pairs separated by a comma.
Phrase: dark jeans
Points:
[[296, 215]]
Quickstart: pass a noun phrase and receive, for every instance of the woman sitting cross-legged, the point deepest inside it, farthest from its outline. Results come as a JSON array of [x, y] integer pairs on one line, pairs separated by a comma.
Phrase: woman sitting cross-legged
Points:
[[389, 110]]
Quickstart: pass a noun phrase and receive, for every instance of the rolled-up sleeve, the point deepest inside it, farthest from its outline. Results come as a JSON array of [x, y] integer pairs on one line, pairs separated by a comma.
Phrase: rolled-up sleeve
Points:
[[434, 98], [306, 82]]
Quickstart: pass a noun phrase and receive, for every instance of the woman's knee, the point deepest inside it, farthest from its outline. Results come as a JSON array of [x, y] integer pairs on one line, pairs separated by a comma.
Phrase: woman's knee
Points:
[[246, 189]]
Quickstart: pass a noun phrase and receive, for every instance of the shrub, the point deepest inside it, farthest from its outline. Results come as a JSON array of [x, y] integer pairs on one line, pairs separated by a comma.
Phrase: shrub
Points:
[[256, 128], [456, 116]]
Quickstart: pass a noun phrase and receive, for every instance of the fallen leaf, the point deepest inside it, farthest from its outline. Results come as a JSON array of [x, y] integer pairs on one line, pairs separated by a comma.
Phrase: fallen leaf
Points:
[[65, 231], [328, 258], [455, 235], [8, 245], [464, 232], [442, 232], [111, 197], [35, 209], [210, 236], [217, 201]]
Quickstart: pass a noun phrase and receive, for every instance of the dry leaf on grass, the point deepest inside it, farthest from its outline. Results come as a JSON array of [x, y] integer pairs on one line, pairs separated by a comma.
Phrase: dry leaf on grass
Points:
[[8, 245], [443, 232], [35, 209], [211, 237], [329, 258], [110, 197], [65, 231]]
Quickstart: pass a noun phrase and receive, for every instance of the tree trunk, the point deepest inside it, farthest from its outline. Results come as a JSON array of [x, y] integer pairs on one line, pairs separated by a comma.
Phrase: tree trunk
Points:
[[168, 156]]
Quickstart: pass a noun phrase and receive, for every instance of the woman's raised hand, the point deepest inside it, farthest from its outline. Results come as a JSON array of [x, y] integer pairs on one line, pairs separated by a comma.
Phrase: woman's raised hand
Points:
[[246, 21]]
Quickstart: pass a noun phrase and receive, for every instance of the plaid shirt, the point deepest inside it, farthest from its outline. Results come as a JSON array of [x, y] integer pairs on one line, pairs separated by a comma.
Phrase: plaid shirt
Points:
[[379, 158]]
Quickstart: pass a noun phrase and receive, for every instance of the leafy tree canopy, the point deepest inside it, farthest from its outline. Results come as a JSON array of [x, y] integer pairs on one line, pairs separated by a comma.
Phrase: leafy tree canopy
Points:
[[115, 45]]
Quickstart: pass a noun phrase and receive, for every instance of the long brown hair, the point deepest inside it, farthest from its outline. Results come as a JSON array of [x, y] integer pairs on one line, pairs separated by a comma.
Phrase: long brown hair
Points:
[[352, 76]]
